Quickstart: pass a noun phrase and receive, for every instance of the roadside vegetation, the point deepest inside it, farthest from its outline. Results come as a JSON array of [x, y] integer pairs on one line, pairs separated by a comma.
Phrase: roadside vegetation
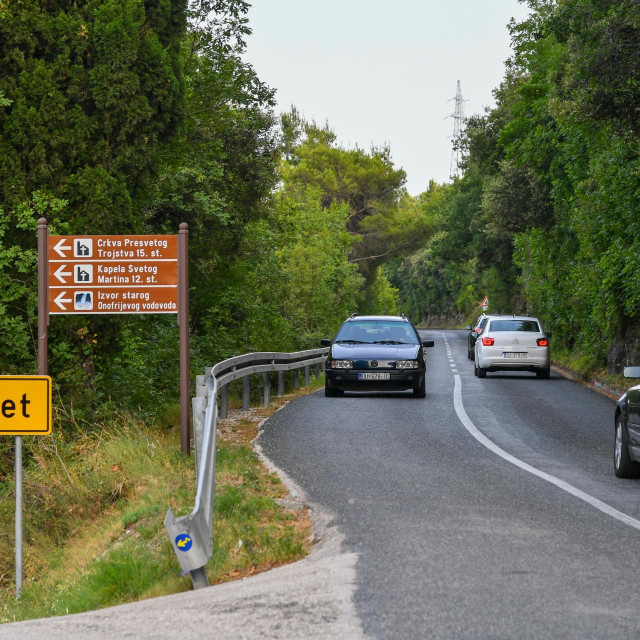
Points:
[[545, 217], [95, 507]]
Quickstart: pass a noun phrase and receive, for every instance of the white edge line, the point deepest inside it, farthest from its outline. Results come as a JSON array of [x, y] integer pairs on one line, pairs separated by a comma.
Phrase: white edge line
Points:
[[561, 484]]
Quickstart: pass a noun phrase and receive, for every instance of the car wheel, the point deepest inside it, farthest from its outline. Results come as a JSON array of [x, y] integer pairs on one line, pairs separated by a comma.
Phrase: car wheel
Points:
[[480, 372], [421, 390], [623, 465], [543, 373], [330, 392]]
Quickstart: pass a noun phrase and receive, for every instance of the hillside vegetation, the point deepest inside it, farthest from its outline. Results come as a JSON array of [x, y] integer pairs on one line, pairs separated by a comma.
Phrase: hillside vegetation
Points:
[[546, 217], [132, 116]]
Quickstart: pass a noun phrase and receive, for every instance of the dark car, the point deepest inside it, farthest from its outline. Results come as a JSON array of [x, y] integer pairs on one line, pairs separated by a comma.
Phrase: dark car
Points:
[[626, 452], [475, 330], [375, 353]]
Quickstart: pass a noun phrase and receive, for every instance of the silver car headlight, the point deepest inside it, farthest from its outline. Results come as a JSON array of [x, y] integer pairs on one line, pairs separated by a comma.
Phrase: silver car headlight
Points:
[[407, 364], [341, 364]]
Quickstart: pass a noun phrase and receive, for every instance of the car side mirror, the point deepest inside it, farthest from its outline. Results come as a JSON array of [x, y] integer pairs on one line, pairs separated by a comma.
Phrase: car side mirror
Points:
[[631, 372], [428, 343], [325, 342], [468, 327]]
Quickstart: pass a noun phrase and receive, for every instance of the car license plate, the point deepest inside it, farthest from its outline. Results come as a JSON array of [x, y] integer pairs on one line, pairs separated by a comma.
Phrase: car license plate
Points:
[[374, 376], [514, 354]]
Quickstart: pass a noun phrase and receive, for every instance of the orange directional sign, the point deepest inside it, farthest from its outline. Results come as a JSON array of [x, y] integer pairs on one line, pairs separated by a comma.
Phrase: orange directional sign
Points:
[[79, 248], [124, 299], [25, 405], [113, 274]]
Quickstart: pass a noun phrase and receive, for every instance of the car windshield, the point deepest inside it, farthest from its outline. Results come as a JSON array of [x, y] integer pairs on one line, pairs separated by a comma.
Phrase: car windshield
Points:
[[377, 331], [515, 325]]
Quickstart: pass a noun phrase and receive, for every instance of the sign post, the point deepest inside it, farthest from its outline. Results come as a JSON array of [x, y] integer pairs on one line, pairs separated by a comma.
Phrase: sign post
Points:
[[97, 274], [101, 274], [25, 410], [183, 321]]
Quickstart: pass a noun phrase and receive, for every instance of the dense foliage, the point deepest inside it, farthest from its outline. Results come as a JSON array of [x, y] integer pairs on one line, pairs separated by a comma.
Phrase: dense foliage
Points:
[[546, 217], [134, 116]]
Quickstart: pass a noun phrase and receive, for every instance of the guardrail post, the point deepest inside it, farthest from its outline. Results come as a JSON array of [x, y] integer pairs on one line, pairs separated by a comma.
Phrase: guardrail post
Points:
[[307, 377], [280, 383], [316, 370], [201, 386], [266, 389], [199, 407], [296, 379], [224, 401], [246, 391]]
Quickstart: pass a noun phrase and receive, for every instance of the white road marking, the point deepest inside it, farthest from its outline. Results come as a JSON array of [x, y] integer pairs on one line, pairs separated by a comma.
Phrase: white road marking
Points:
[[561, 484]]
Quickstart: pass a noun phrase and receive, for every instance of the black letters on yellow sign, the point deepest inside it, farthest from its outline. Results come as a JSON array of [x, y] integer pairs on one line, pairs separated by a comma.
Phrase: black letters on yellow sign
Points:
[[9, 407], [25, 405]]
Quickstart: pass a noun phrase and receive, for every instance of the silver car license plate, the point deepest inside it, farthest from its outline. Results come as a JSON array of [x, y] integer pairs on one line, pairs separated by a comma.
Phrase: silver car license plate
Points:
[[514, 354], [374, 376]]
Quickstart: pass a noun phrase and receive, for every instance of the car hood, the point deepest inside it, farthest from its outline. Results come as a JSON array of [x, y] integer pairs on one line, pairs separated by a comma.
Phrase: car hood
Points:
[[346, 351]]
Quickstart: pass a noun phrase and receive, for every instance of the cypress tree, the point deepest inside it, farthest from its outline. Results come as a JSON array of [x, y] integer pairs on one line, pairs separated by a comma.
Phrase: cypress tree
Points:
[[94, 87]]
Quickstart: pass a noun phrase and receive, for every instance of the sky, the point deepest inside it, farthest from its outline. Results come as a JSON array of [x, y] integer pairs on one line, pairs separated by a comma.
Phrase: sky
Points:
[[384, 72]]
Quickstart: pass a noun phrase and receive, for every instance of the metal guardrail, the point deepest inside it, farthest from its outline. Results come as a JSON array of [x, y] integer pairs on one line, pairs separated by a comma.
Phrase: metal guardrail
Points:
[[192, 535]]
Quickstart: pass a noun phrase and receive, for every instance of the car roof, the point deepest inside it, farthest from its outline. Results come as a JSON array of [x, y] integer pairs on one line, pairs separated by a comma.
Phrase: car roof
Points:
[[515, 318], [393, 318]]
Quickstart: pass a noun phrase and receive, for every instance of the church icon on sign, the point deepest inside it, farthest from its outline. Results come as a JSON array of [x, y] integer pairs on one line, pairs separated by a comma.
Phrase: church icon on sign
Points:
[[83, 248], [83, 273]]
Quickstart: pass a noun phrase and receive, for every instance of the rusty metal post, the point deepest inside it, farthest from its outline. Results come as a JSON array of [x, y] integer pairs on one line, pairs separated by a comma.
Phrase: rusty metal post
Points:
[[43, 296], [183, 321]]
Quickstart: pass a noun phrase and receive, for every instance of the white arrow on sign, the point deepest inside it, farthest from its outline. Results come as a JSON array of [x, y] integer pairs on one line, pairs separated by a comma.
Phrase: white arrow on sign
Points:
[[61, 300], [61, 247], [61, 272]]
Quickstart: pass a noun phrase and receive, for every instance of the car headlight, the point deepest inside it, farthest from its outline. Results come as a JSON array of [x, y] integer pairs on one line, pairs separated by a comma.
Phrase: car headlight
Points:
[[407, 364], [341, 364]]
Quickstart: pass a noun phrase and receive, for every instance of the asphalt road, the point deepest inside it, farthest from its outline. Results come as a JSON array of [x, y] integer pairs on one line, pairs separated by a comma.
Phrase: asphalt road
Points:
[[487, 510], [494, 516]]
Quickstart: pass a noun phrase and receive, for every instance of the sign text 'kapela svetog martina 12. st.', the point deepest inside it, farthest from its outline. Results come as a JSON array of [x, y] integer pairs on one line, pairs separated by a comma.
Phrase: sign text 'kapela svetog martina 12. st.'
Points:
[[113, 274]]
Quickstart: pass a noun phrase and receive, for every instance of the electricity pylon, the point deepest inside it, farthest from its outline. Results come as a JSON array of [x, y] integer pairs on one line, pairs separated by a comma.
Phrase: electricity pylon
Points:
[[458, 123]]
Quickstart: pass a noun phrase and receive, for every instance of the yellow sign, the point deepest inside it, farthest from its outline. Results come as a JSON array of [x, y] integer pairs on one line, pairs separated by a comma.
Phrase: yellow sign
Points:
[[25, 405]]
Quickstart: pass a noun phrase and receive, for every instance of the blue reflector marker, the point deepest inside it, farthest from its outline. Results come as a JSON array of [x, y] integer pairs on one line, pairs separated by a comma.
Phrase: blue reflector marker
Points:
[[184, 542]]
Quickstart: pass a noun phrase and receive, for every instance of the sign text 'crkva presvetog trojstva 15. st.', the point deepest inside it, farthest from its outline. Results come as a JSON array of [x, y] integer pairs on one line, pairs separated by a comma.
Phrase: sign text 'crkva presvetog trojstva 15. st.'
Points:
[[113, 274]]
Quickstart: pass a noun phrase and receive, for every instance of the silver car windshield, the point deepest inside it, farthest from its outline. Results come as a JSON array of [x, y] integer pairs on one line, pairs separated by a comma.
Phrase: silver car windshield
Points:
[[378, 331], [514, 325]]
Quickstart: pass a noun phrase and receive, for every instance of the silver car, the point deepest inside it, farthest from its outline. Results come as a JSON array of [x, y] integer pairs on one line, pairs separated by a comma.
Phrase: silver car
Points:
[[512, 343]]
